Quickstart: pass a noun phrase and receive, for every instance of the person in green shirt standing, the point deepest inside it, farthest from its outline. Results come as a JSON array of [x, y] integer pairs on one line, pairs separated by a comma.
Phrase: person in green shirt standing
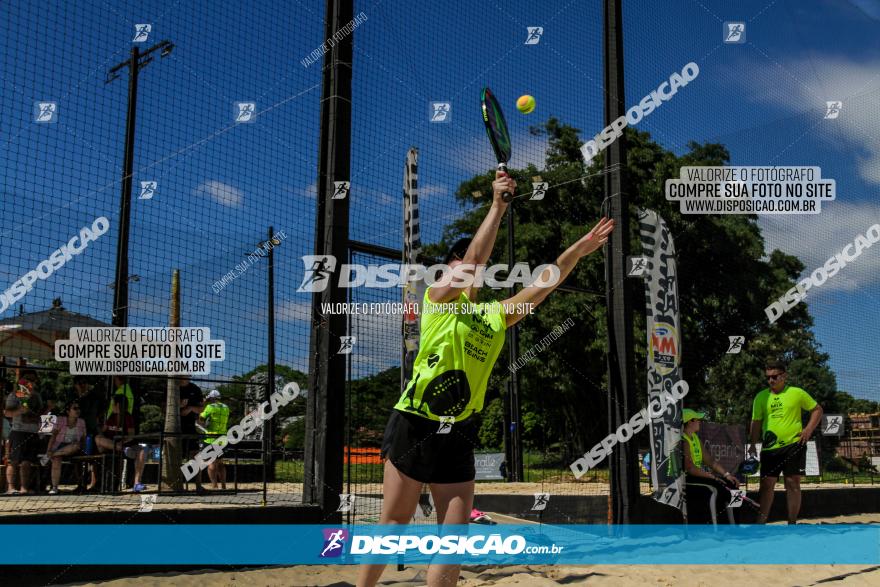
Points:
[[123, 389], [776, 421], [431, 434], [214, 419]]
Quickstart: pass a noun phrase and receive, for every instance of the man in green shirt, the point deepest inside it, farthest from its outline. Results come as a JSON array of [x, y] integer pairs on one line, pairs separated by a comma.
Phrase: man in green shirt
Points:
[[213, 420], [123, 389], [776, 421]]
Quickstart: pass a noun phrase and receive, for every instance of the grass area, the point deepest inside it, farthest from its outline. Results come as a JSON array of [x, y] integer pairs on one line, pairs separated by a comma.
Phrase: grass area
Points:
[[293, 472], [537, 469]]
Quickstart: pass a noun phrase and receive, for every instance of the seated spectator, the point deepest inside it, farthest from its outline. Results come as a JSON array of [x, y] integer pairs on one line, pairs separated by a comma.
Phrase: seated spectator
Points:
[[90, 405], [5, 389], [703, 485], [68, 439], [24, 405], [107, 440]]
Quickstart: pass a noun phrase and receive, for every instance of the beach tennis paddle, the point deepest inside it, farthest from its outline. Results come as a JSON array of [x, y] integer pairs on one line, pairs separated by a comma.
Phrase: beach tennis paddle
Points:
[[496, 128]]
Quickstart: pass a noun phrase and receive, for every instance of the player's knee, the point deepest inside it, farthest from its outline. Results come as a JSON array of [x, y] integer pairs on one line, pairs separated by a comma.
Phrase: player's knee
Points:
[[395, 518]]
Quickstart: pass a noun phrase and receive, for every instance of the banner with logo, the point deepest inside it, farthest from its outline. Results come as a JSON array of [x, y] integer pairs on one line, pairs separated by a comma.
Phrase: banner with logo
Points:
[[474, 544], [664, 357], [412, 246], [725, 442]]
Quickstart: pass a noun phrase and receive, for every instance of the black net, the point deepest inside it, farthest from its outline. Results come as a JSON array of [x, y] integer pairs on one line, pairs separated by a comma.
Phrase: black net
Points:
[[770, 92], [428, 97], [224, 154]]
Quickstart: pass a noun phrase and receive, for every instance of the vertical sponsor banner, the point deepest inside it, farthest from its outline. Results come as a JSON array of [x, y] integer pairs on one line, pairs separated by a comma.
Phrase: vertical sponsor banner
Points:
[[664, 357], [412, 246]]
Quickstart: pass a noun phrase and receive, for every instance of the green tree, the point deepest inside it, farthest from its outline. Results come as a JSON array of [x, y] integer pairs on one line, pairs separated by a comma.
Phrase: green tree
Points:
[[725, 282]]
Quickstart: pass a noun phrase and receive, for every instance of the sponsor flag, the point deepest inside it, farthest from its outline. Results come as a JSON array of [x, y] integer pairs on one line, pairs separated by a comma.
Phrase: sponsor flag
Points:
[[664, 357], [412, 247]]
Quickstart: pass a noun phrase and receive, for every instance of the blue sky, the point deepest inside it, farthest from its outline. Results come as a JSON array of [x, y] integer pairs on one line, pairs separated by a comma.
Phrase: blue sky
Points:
[[221, 185]]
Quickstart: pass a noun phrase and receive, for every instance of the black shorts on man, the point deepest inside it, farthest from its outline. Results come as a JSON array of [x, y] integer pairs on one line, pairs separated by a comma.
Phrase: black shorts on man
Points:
[[788, 461], [24, 446]]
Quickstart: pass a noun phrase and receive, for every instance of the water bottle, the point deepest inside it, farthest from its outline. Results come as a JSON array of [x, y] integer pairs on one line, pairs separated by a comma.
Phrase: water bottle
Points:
[[90, 445]]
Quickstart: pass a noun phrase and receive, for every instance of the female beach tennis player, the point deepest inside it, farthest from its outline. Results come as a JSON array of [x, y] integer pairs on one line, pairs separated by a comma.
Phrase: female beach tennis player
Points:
[[431, 434]]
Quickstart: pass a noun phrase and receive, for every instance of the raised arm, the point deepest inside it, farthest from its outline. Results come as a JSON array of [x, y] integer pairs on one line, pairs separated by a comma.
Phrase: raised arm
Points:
[[528, 298], [482, 244]]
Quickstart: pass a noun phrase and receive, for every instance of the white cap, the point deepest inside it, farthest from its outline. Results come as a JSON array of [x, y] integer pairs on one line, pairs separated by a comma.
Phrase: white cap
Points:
[[213, 393]]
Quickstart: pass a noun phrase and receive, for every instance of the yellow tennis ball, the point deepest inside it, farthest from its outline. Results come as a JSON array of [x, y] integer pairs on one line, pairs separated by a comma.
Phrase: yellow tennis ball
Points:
[[525, 104]]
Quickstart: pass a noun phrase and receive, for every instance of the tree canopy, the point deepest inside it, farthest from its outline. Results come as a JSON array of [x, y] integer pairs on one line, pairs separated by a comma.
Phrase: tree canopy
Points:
[[725, 282]]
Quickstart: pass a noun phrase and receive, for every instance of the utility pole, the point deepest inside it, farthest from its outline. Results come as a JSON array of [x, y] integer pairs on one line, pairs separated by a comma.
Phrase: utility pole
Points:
[[134, 63]]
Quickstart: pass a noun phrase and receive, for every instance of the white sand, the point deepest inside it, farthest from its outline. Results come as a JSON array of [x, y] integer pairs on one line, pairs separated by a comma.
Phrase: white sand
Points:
[[541, 575]]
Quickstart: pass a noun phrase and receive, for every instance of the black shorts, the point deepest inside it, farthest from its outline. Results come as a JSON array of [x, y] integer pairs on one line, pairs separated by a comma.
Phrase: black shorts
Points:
[[699, 492], [788, 460], [415, 448], [24, 446], [190, 446]]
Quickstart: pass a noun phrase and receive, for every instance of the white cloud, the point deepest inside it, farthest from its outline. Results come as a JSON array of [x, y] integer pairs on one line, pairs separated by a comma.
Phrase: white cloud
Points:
[[815, 238], [871, 8], [310, 191], [372, 351], [222, 193], [290, 311], [855, 84], [428, 190]]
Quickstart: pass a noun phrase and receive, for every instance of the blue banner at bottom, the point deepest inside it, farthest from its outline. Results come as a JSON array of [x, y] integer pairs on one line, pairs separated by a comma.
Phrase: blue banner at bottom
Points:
[[137, 544]]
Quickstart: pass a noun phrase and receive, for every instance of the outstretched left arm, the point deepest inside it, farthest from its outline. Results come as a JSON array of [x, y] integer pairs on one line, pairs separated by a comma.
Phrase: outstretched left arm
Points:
[[526, 299]]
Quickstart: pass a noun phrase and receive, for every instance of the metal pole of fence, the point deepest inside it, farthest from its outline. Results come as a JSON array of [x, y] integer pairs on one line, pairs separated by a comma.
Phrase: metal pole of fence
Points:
[[516, 465], [327, 375], [159, 471], [269, 425], [621, 363]]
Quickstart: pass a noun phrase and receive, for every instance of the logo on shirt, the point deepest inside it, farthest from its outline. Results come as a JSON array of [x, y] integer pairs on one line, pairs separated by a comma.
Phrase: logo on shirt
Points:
[[447, 394]]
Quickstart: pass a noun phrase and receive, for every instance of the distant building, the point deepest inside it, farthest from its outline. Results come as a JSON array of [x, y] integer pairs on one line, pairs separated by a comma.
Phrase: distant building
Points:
[[863, 438]]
